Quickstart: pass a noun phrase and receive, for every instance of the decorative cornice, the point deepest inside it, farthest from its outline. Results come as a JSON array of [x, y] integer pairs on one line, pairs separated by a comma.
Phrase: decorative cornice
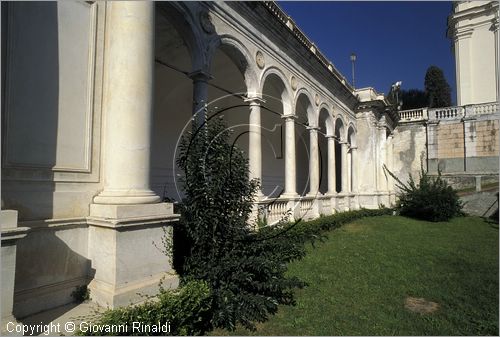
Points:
[[282, 17]]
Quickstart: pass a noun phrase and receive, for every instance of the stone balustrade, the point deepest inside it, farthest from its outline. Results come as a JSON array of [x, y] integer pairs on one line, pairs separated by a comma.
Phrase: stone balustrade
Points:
[[482, 109], [306, 207], [274, 210], [453, 112], [284, 209], [447, 113], [413, 115]]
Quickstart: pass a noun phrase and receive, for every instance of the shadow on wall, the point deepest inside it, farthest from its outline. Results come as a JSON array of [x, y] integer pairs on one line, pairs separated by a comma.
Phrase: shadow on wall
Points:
[[31, 106], [51, 263]]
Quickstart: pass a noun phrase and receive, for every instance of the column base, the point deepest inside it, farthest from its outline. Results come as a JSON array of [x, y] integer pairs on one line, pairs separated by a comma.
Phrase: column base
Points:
[[131, 215], [127, 252], [289, 196], [128, 197]]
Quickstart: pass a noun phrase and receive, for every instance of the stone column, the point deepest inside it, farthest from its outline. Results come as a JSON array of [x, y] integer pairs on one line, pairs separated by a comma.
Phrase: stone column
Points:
[[331, 165], [354, 169], [127, 219], [313, 162], [290, 166], [255, 141], [432, 146], [349, 171], [345, 186], [200, 95], [128, 103], [10, 233]]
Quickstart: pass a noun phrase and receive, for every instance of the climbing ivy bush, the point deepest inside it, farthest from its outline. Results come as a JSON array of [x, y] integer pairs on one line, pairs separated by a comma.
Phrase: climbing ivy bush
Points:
[[430, 199]]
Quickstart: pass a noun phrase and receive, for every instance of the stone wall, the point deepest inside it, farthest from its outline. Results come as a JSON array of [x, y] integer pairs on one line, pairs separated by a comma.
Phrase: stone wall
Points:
[[460, 142], [464, 146], [409, 149]]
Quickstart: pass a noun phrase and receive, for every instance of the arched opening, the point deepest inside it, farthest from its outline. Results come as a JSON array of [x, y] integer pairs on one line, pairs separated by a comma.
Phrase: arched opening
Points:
[[325, 129], [173, 97], [339, 137], [303, 111], [275, 96], [227, 91]]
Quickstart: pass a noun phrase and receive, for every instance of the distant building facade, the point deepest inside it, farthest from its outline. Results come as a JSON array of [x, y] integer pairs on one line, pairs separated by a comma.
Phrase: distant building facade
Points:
[[473, 29]]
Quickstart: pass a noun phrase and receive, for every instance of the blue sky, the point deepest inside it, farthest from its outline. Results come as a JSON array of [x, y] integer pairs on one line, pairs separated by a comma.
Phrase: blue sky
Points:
[[393, 41]]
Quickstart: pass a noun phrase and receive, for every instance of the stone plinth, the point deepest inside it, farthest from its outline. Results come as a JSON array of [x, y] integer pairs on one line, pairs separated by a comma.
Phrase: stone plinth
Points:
[[126, 252], [10, 234]]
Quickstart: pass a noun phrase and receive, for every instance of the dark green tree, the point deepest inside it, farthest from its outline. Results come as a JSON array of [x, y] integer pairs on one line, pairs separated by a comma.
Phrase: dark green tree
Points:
[[413, 99], [244, 268], [437, 88]]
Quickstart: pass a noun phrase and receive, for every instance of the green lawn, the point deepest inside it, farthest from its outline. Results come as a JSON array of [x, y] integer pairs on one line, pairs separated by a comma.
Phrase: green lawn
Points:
[[360, 277]]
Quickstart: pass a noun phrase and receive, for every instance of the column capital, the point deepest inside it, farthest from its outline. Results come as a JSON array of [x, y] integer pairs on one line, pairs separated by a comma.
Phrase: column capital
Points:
[[312, 128], [332, 137], [200, 75], [254, 100], [289, 117]]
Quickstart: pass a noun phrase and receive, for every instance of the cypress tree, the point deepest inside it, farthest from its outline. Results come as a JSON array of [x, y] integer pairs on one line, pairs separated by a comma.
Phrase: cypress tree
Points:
[[437, 88]]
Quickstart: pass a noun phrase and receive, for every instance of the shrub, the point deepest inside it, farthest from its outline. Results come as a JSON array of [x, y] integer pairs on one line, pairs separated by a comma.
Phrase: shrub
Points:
[[185, 310], [81, 294], [432, 199], [245, 269]]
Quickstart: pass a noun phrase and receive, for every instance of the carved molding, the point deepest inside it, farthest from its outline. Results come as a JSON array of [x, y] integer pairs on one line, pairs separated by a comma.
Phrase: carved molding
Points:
[[206, 22], [259, 59]]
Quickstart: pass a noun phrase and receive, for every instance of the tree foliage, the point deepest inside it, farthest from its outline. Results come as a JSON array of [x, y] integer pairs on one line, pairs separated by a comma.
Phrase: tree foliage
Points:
[[413, 99], [437, 88], [245, 269]]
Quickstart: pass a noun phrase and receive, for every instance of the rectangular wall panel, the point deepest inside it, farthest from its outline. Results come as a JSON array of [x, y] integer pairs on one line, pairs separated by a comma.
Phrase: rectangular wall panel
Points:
[[49, 86]]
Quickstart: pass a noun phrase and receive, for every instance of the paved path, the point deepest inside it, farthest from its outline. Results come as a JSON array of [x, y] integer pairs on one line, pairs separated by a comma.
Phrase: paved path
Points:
[[480, 203], [62, 319]]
